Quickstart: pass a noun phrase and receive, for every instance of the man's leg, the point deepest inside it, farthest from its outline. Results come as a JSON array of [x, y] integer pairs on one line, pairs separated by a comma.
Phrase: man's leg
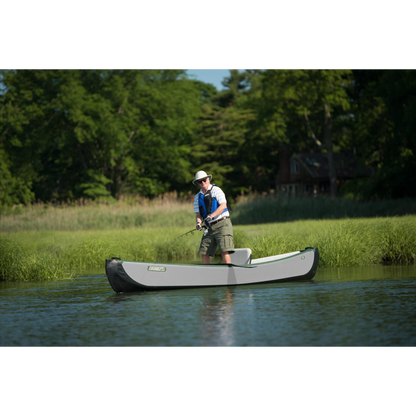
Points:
[[207, 247], [206, 259], [225, 240], [226, 259]]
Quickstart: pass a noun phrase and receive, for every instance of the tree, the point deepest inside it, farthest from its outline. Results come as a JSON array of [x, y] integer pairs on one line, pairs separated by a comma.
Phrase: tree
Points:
[[13, 190], [222, 141], [223, 137], [299, 107], [168, 112], [384, 126], [104, 133], [98, 134]]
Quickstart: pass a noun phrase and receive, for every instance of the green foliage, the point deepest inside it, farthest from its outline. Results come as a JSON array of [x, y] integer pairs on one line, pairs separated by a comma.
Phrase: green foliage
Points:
[[93, 134], [384, 130], [96, 187], [101, 134], [13, 190]]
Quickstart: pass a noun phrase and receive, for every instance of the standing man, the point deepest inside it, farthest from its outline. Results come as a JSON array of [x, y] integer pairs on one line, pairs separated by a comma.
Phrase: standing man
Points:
[[210, 207]]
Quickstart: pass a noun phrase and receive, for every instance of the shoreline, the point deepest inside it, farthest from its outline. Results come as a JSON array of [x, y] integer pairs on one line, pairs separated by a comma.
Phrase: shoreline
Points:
[[54, 255]]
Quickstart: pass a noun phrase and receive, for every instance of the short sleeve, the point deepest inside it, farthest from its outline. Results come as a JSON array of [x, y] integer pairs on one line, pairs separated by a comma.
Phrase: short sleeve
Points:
[[196, 203], [219, 194]]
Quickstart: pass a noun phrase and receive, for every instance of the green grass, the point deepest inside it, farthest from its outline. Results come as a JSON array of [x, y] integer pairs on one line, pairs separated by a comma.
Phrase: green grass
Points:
[[169, 210], [349, 242], [46, 241], [45, 255], [17, 264], [89, 215]]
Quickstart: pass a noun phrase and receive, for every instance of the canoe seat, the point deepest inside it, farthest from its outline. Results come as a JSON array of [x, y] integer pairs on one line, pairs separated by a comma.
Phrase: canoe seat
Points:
[[241, 256]]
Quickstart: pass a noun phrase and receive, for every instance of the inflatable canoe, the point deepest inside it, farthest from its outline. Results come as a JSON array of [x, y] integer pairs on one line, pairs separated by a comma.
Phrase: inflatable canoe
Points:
[[130, 276]]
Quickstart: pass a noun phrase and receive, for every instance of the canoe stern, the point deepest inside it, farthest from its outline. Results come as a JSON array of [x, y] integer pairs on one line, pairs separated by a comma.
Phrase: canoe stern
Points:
[[312, 271]]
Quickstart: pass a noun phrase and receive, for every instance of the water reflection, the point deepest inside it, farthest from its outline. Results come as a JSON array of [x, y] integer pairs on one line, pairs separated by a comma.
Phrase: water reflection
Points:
[[346, 307], [216, 318]]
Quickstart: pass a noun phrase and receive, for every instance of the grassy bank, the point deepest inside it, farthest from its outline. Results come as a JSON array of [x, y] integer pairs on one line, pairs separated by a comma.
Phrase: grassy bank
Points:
[[47, 241], [342, 243], [44, 255], [170, 210], [128, 213]]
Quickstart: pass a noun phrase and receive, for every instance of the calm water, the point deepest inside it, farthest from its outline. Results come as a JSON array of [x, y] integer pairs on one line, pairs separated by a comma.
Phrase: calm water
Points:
[[366, 306]]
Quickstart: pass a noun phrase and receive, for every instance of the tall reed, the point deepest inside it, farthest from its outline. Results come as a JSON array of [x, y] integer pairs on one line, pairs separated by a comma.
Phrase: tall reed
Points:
[[126, 213], [49, 241], [47, 255], [18, 264], [259, 209], [348, 242], [173, 209]]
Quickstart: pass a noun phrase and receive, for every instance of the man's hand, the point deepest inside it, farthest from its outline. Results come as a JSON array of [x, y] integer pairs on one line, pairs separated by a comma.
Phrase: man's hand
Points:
[[207, 221], [199, 226]]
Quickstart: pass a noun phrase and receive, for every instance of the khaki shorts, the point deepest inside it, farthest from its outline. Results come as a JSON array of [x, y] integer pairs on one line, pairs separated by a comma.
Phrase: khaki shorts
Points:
[[219, 235]]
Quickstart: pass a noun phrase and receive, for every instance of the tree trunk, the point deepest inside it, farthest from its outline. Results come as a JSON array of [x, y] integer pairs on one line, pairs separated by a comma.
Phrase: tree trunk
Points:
[[309, 127], [328, 140]]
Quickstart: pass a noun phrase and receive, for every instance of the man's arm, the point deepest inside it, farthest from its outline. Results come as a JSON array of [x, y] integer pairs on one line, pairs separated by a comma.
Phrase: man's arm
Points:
[[219, 210], [198, 218]]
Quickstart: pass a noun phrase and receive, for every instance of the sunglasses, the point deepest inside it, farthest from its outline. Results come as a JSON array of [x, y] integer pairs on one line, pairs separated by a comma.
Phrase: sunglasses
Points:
[[202, 180]]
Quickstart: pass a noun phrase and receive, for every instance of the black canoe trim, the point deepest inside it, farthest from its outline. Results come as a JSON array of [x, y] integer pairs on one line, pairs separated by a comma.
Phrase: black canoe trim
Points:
[[119, 280]]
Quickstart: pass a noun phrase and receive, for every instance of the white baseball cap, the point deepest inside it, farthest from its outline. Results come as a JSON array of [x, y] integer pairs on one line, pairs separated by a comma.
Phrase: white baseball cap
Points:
[[201, 175]]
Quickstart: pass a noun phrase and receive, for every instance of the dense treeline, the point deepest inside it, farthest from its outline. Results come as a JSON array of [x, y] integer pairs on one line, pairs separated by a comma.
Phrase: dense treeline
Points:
[[68, 134]]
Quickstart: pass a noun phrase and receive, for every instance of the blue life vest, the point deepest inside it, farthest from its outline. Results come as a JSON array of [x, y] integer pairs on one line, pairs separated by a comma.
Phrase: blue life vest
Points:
[[208, 204]]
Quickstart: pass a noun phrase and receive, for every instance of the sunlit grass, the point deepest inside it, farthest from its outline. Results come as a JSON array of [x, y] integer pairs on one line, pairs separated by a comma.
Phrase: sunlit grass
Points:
[[45, 255], [171, 209], [46, 241], [127, 213]]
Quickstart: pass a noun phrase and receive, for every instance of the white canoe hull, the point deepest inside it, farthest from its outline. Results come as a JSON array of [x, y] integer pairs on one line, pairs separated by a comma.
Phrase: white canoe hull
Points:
[[129, 276]]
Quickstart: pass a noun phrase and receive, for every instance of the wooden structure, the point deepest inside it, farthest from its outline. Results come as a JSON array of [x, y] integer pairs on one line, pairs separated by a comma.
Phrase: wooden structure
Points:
[[308, 173]]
